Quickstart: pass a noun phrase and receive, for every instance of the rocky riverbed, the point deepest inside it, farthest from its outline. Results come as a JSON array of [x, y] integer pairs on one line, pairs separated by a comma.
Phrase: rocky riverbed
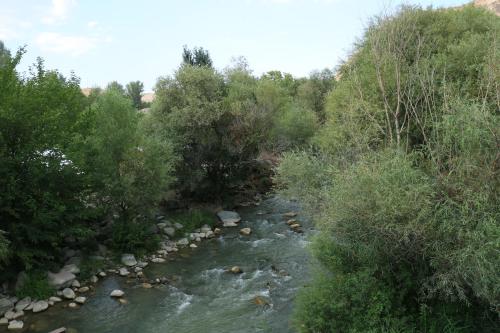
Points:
[[241, 278]]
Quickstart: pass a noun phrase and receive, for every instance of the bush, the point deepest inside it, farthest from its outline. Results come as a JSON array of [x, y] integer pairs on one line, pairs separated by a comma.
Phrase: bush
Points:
[[403, 180], [133, 237], [35, 286]]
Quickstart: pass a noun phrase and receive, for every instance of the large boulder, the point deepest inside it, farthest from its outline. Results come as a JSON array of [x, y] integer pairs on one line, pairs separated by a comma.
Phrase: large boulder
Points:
[[23, 304], [40, 306], [183, 242], [15, 325], [229, 218], [169, 231], [62, 279], [128, 259]]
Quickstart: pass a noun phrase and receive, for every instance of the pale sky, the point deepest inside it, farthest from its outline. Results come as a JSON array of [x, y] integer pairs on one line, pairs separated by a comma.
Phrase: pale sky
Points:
[[106, 40]]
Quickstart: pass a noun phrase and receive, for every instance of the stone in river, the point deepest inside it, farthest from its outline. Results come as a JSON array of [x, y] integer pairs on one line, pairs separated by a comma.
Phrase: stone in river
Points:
[[290, 214], [40, 306], [117, 293], [80, 299], [68, 293], [246, 231], [128, 259], [229, 218], [23, 304], [15, 325], [236, 270]]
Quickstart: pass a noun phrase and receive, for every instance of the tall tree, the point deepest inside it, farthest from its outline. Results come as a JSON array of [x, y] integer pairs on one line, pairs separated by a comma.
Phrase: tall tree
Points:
[[198, 56], [134, 91]]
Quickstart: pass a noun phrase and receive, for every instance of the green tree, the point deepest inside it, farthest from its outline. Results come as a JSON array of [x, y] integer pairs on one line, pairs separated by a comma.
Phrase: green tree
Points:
[[198, 56], [115, 86], [42, 188], [134, 92]]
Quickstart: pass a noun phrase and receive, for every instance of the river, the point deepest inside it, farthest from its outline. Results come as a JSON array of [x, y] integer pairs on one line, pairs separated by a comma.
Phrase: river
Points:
[[203, 298]]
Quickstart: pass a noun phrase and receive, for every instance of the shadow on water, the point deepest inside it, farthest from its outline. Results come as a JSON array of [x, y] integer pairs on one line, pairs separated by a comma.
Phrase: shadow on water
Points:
[[202, 297]]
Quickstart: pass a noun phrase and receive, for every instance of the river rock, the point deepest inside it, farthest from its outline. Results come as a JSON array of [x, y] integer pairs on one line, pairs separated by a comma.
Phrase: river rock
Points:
[[75, 284], [12, 314], [209, 234], [142, 264], [290, 214], [246, 231], [40, 306], [217, 231], [59, 330], [169, 231], [158, 260], [23, 304], [94, 279], [229, 218], [205, 228], [55, 299], [183, 242], [178, 226], [68, 293], [83, 289], [146, 285], [236, 270], [260, 301], [102, 274], [5, 304], [193, 246], [15, 325], [61, 279], [4, 321], [117, 293], [80, 299], [128, 259], [72, 305], [123, 271]]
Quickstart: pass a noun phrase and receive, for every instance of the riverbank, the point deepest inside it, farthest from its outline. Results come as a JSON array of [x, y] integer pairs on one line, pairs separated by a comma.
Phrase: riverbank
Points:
[[166, 277]]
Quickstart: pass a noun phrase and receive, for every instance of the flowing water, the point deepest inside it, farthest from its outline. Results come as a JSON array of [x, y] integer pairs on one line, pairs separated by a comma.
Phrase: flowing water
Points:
[[203, 297]]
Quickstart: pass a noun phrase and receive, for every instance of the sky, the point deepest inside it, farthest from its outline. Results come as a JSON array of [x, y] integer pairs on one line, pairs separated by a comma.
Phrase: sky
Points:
[[122, 40]]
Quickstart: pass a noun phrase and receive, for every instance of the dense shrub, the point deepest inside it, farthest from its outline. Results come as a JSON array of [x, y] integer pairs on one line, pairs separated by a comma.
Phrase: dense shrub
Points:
[[403, 180]]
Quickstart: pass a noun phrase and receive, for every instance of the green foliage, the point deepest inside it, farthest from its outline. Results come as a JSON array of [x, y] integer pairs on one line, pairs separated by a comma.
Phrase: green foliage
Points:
[[127, 168], [294, 127], [116, 87], [403, 180], [41, 187], [133, 237], [196, 57], [134, 92], [194, 219], [4, 248], [89, 267], [35, 286]]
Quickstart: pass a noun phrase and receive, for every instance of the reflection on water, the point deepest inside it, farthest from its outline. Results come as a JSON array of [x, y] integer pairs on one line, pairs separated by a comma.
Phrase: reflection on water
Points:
[[203, 297]]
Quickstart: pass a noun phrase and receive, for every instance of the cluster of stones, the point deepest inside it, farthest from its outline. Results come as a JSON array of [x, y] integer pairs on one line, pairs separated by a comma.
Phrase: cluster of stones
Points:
[[293, 223], [67, 287], [70, 289]]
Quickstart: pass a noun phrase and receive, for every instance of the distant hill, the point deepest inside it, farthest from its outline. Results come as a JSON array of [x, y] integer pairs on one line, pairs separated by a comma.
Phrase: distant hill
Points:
[[493, 5]]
